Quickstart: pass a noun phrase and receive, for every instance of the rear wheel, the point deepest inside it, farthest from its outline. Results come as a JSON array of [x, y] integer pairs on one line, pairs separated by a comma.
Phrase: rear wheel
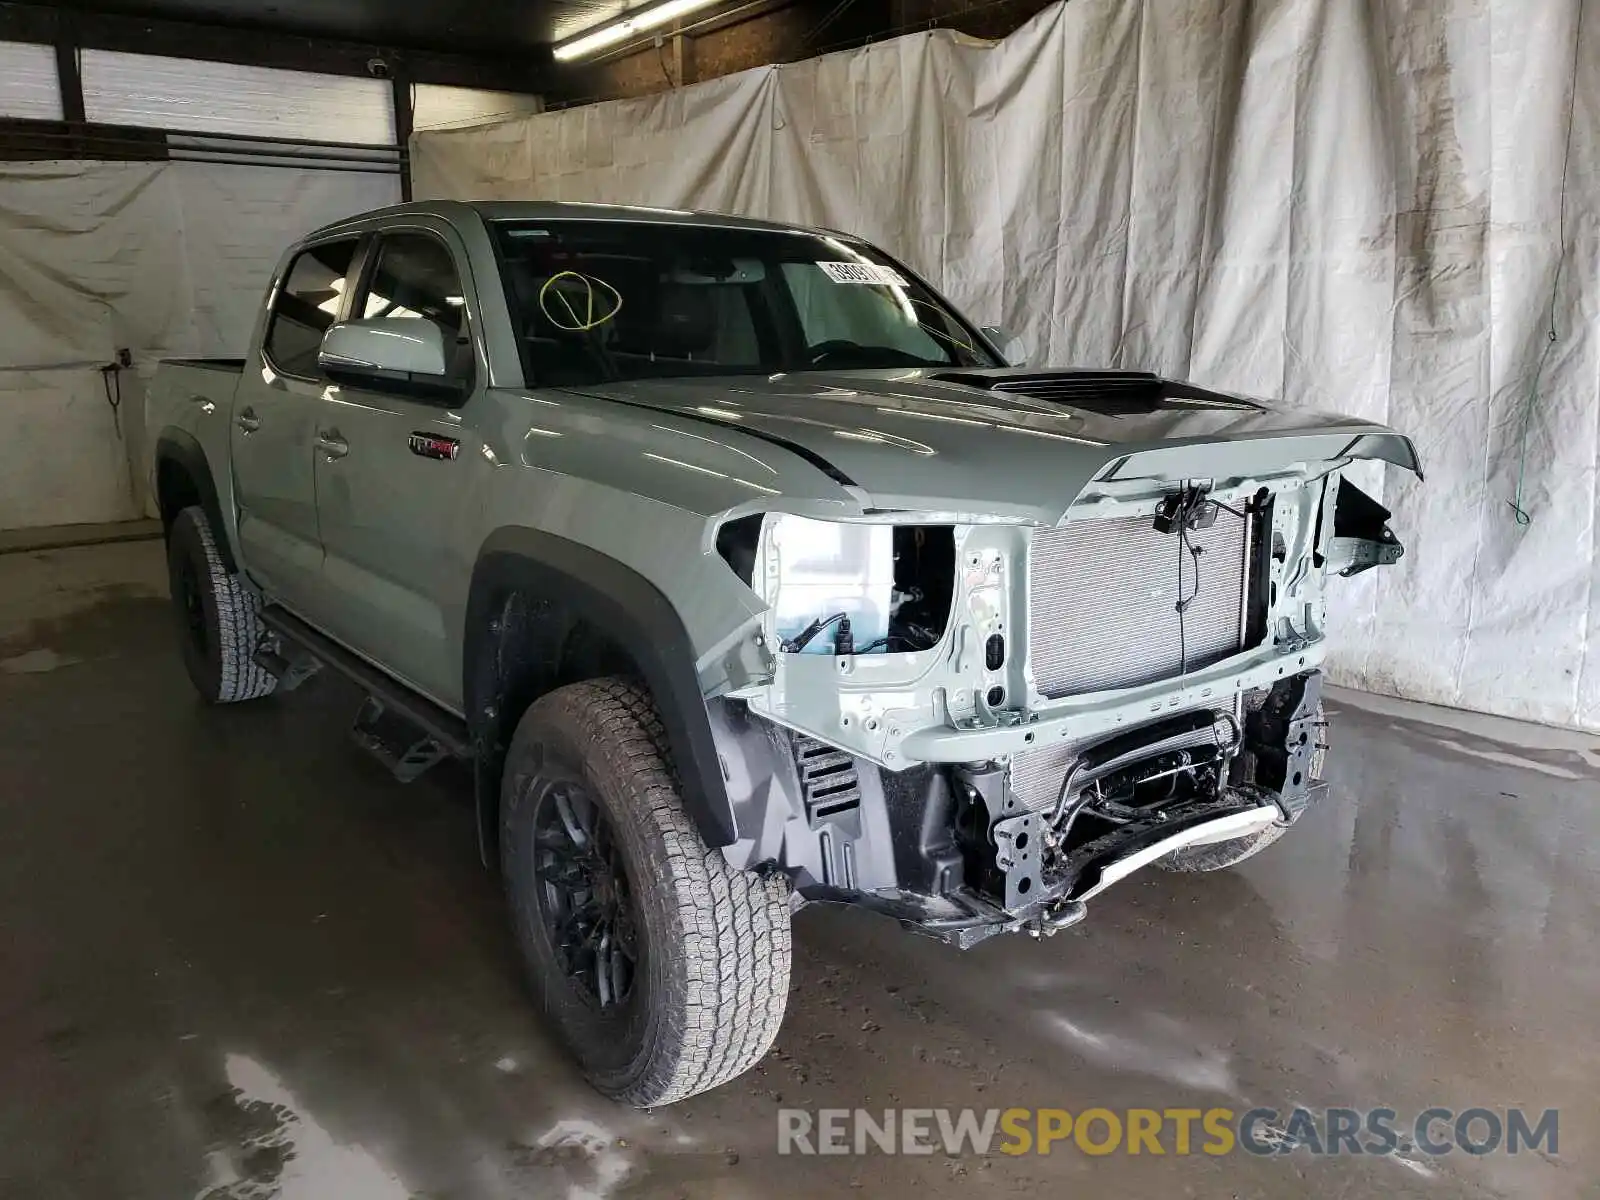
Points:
[[219, 619], [663, 969], [1215, 856]]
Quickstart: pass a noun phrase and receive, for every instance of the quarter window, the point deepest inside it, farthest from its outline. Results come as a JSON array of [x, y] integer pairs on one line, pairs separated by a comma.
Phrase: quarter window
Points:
[[307, 304]]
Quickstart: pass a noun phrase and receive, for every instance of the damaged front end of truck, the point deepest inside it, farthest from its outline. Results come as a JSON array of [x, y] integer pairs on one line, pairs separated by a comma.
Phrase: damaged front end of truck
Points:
[[976, 725]]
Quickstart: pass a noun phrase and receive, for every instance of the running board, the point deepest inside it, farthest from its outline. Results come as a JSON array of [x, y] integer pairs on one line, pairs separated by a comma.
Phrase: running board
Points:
[[393, 699]]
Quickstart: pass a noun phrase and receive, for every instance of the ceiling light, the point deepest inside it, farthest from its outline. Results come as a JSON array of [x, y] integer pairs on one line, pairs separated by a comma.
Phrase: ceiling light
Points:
[[635, 22]]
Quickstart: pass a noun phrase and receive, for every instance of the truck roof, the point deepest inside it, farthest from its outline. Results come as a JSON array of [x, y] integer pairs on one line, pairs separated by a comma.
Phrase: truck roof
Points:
[[546, 210]]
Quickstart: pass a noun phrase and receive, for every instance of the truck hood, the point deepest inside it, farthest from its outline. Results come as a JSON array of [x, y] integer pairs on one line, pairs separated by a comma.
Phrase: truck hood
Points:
[[948, 441]]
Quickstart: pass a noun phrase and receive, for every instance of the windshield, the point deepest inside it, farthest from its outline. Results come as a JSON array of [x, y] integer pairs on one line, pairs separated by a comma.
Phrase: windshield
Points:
[[595, 301]]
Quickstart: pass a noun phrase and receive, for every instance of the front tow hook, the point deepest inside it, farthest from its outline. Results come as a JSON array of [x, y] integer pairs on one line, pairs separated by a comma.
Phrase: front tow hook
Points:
[[1061, 917]]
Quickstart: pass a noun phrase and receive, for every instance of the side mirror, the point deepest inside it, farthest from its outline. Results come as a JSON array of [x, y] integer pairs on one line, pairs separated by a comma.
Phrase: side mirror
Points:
[[397, 354], [1013, 349]]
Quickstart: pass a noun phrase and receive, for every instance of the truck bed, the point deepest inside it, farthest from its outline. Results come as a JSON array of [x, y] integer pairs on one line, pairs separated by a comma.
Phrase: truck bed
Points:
[[190, 400]]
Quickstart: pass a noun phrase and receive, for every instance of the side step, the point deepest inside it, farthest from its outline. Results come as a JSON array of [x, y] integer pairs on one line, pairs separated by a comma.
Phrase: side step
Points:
[[290, 664], [395, 740], [407, 732]]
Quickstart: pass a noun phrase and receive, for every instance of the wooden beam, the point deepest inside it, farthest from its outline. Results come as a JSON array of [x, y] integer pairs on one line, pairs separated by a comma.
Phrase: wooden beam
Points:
[[403, 119], [530, 71], [69, 80]]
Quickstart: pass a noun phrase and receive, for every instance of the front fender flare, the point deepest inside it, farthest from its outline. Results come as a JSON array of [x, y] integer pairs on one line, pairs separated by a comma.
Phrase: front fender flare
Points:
[[560, 577]]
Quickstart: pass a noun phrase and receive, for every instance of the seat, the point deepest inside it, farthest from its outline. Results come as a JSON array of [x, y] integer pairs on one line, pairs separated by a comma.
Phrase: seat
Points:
[[681, 324]]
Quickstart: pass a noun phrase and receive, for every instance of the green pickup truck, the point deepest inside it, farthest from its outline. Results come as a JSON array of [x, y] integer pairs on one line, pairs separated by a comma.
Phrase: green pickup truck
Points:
[[746, 572]]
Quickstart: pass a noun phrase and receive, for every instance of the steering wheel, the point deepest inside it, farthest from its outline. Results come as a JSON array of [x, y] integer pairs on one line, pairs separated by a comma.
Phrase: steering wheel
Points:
[[823, 351]]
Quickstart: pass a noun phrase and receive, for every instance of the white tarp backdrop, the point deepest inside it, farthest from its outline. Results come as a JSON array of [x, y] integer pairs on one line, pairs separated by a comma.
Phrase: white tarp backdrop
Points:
[[164, 258], [1348, 205]]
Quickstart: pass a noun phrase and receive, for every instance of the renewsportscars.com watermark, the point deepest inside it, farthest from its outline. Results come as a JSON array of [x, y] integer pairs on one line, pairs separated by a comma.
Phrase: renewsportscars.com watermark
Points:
[[1178, 1131]]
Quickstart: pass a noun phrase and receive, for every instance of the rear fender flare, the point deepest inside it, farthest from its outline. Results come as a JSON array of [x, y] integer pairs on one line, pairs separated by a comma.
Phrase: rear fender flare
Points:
[[561, 580], [184, 450]]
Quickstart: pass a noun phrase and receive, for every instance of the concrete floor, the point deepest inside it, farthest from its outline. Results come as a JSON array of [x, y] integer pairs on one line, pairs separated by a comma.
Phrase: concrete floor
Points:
[[236, 960]]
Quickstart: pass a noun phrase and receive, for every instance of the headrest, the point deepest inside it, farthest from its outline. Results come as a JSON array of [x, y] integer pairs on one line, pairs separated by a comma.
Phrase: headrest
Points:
[[683, 324], [526, 279]]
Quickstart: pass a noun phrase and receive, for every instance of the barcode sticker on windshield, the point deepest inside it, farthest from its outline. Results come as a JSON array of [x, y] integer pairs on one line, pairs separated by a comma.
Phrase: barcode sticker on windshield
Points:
[[860, 272]]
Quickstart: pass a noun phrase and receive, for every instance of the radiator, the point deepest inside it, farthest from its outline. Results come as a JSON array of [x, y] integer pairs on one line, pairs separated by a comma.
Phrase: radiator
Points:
[[1102, 602]]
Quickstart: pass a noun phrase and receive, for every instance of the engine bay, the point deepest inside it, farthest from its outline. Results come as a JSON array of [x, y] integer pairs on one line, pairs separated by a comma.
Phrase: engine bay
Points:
[[1005, 801]]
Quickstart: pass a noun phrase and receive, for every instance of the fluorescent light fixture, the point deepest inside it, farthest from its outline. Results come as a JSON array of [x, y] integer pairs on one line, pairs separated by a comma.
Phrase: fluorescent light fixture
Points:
[[635, 22]]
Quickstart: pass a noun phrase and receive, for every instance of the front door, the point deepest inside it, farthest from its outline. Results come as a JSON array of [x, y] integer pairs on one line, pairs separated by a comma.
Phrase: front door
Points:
[[274, 421], [392, 478]]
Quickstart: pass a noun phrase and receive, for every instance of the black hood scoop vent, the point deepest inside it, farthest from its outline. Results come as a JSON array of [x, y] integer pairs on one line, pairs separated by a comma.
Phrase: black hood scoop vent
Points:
[[1108, 393]]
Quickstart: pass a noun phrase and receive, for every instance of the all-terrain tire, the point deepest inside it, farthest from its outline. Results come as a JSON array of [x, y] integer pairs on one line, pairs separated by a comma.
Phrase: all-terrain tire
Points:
[[219, 618], [1217, 856], [709, 991]]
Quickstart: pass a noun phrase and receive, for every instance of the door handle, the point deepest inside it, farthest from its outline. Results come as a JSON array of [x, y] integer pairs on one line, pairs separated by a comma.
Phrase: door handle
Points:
[[331, 444], [248, 421]]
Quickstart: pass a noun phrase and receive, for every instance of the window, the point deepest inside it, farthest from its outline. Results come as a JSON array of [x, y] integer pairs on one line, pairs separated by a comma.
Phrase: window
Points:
[[28, 85], [880, 316], [415, 279], [598, 300], [307, 304], [213, 97], [434, 104]]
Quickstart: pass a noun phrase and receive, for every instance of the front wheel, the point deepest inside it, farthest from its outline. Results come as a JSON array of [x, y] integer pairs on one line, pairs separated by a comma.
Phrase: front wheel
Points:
[[664, 970]]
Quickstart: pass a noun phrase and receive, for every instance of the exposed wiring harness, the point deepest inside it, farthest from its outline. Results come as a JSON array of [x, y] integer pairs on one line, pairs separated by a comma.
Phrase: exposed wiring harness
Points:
[[1184, 602], [1072, 801], [1179, 513], [804, 638], [915, 638]]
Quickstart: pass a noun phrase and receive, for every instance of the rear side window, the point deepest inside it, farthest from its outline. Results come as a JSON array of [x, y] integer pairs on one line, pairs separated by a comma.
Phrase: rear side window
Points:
[[307, 304], [415, 279]]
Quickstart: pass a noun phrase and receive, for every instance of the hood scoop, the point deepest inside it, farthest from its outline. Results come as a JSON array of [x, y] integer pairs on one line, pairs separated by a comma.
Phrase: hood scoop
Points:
[[1108, 393]]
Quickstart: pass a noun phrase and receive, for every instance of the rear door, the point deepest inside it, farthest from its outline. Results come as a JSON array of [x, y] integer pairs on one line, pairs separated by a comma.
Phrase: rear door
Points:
[[393, 475], [274, 418]]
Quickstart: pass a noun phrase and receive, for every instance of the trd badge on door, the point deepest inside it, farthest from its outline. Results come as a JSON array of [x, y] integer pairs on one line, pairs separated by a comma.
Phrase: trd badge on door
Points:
[[433, 445]]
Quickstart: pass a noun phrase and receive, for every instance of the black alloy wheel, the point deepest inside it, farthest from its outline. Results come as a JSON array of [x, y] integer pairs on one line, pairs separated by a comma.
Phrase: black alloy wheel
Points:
[[587, 903], [191, 608]]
